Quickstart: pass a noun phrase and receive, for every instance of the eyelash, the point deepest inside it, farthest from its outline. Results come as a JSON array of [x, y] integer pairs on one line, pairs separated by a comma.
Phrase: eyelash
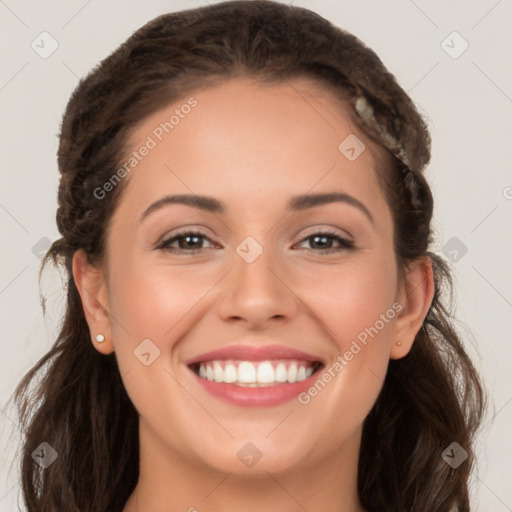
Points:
[[345, 244]]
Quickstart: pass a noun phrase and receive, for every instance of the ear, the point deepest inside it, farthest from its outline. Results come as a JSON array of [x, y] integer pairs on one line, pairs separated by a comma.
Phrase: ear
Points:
[[91, 284], [415, 296]]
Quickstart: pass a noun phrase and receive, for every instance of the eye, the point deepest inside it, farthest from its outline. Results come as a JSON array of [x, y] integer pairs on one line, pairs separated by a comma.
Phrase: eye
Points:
[[192, 241], [188, 241], [324, 241]]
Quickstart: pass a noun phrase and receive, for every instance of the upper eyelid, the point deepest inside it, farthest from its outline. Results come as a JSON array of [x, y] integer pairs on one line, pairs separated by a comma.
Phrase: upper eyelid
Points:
[[327, 230], [203, 230], [314, 230]]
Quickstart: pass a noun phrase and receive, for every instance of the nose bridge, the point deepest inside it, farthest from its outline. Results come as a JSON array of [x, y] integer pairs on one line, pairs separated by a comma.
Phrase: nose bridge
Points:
[[255, 290], [253, 264], [255, 261]]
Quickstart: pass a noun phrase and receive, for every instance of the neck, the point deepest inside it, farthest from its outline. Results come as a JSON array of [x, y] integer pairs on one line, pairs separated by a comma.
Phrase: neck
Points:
[[169, 483]]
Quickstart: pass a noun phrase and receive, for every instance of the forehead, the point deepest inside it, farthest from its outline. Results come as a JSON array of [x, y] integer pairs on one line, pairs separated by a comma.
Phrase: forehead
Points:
[[250, 143]]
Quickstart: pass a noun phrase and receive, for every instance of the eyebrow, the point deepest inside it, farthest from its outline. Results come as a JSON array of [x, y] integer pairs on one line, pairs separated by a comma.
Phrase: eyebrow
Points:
[[297, 203]]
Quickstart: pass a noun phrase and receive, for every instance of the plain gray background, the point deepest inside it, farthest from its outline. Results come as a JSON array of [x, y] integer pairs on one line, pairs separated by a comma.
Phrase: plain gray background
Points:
[[466, 96]]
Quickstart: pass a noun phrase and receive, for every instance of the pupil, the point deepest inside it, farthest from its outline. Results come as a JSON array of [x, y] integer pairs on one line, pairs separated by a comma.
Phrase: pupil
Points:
[[317, 237], [188, 238]]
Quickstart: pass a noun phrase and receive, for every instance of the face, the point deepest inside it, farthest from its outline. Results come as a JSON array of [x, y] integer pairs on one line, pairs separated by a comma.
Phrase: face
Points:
[[256, 316]]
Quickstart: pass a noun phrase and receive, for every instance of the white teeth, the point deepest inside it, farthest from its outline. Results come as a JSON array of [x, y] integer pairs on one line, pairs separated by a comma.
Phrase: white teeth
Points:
[[281, 373], [256, 374], [246, 373], [265, 372], [217, 372], [292, 373], [230, 374]]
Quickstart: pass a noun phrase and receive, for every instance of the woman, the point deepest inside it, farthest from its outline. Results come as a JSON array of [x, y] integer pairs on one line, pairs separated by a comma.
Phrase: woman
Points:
[[254, 319]]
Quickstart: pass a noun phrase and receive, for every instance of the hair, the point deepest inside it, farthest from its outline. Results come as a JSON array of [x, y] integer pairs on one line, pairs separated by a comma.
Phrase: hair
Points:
[[74, 398]]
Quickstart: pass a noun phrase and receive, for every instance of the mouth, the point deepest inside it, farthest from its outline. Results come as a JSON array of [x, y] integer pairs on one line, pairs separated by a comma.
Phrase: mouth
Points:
[[255, 376]]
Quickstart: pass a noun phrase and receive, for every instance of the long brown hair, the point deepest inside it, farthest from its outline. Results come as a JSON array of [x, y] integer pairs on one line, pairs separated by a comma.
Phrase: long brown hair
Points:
[[74, 398]]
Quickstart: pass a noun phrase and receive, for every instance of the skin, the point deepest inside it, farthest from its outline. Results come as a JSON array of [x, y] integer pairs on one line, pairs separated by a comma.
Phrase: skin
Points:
[[252, 147]]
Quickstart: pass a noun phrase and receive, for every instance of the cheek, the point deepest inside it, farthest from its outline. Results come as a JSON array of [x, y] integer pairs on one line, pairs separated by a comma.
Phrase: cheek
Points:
[[354, 306], [351, 299], [151, 299], [157, 303]]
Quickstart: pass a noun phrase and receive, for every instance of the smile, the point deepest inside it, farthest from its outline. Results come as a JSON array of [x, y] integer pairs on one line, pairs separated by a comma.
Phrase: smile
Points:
[[256, 374]]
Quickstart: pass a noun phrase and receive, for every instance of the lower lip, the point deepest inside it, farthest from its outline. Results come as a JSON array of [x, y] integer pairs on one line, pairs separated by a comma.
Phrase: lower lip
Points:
[[256, 397]]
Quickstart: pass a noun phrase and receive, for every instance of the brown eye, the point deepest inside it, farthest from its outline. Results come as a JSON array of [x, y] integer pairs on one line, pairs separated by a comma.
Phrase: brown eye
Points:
[[322, 242], [188, 241]]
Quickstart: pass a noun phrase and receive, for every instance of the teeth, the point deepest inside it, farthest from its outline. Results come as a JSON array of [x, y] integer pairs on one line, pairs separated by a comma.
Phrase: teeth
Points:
[[265, 372], [281, 373], [292, 373], [218, 374], [230, 374], [250, 374], [246, 373]]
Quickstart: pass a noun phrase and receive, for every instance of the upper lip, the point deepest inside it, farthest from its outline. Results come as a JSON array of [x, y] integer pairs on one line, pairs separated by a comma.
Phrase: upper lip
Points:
[[253, 353]]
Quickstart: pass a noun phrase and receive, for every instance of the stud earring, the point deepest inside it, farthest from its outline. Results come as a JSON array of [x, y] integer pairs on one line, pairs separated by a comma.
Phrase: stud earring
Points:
[[100, 338], [399, 343]]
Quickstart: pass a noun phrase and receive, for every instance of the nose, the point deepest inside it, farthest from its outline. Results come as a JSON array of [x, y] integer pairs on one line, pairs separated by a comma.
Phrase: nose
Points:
[[257, 293]]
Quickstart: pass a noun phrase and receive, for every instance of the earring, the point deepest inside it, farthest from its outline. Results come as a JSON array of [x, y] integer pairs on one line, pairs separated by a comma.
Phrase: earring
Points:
[[100, 338], [399, 343]]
